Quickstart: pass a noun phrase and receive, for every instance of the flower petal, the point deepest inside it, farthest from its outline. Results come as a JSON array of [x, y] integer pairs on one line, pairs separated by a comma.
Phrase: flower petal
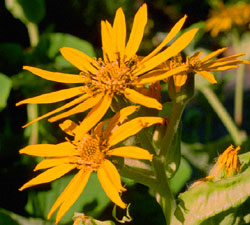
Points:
[[118, 117], [154, 76], [109, 188], [55, 76], [173, 32], [208, 76], [52, 162], [137, 31], [82, 107], [73, 192], [49, 175], [52, 97], [137, 97], [49, 150], [119, 28], [131, 152], [70, 104], [79, 59], [132, 127], [68, 126], [222, 68], [94, 116], [212, 55], [113, 175], [171, 51], [229, 57]]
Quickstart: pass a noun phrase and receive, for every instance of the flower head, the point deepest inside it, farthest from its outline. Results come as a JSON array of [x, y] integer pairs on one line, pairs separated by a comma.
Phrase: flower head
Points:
[[227, 164], [120, 72], [89, 152], [225, 17], [203, 66]]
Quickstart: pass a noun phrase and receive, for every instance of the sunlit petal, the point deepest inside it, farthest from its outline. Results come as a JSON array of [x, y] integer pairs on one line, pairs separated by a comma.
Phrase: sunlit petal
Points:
[[49, 175], [52, 162], [131, 152], [131, 128], [79, 59], [137, 97], [94, 116], [173, 32], [171, 51], [55, 76], [68, 126], [137, 31], [68, 105], [52, 97], [49, 150], [212, 55], [82, 107], [109, 188], [208, 76]]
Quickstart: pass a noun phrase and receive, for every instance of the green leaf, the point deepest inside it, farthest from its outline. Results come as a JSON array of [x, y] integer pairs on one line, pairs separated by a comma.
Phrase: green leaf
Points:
[[181, 177], [92, 201], [209, 199], [5, 87], [26, 10], [82, 219], [10, 218]]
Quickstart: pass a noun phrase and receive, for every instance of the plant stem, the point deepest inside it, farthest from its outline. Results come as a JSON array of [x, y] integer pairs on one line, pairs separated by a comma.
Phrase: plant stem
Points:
[[33, 33], [223, 114]]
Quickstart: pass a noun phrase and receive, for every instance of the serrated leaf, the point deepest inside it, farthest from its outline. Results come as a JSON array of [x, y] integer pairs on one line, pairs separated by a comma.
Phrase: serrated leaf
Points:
[[198, 203], [5, 87], [26, 10]]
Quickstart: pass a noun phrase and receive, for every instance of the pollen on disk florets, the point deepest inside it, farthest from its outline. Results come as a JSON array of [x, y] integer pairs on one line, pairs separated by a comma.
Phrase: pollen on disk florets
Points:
[[91, 154], [112, 76]]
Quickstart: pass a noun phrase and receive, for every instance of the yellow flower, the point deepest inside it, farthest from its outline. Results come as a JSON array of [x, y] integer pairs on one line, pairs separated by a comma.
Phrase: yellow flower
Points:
[[120, 72], [203, 66], [227, 164], [89, 152], [225, 17]]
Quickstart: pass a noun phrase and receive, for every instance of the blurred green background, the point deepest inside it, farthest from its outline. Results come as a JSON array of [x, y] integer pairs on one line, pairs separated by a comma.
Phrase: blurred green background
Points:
[[32, 31]]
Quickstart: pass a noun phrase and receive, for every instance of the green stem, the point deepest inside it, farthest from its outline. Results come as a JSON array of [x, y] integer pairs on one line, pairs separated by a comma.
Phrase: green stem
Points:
[[223, 114], [33, 33], [32, 113], [238, 98]]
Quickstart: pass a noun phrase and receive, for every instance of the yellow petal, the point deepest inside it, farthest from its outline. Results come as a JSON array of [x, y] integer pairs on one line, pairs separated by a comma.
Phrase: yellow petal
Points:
[[137, 31], [212, 55], [49, 150], [52, 97], [70, 104], [82, 107], [118, 117], [49, 175], [208, 76], [217, 64], [109, 188], [68, 126], [79, 59], [73, 192], [222, 68], [171, 51], [94, 116], [113, 175], [154, 76], [119, 28], [55, 76], [132, 127], [47, 163], [108, 41], [229, 57], [69, 189], [173, 32], [99, 128], [131, 152], [137, 97]]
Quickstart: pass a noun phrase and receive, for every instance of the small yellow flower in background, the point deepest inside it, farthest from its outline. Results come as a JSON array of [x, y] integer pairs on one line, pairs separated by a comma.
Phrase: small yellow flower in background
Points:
[[225, 17], [203, 66], [227, 164], [89, 152], [120, 72]]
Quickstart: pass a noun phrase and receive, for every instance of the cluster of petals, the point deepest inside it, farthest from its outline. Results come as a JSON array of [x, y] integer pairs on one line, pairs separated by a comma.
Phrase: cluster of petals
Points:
[[89, 152], [120, 72]]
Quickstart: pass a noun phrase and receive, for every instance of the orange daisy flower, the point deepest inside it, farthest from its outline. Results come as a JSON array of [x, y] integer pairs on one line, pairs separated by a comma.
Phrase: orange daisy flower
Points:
[[120, 72], [89, 152]]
